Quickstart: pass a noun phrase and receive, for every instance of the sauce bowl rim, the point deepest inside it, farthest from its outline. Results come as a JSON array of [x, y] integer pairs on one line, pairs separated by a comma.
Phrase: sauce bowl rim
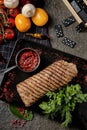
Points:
[[25, 50]]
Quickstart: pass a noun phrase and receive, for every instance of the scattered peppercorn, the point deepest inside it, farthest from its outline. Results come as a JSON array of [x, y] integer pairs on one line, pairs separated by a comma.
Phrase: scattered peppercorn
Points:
[[7, 92], [18, 123]]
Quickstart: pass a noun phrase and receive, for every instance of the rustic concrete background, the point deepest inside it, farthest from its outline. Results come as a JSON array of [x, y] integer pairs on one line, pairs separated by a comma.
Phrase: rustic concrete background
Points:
[[57, 12]]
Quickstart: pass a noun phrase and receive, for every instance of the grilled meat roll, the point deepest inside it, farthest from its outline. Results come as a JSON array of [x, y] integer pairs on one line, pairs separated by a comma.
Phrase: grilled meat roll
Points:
[[51, 78]]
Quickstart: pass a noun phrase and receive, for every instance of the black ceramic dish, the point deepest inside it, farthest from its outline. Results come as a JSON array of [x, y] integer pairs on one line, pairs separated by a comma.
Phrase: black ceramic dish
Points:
[[48, 56]]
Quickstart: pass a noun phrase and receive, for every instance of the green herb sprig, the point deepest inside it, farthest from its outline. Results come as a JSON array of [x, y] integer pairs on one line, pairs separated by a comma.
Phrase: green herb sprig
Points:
[[63, 102], [28, 115]]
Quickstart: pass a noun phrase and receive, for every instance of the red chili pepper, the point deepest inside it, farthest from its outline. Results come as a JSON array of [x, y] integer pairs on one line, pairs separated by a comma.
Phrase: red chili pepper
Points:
[[14, 122], [38, 35], [24, 123]]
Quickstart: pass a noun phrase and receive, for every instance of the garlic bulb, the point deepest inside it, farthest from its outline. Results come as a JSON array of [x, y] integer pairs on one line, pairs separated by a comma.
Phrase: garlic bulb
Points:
[[11, 3], [28, 10]]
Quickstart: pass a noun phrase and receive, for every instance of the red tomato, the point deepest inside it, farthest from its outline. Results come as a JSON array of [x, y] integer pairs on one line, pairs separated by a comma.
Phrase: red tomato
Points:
[[1, 2], [9, 34], [10, 22], [13, 12]]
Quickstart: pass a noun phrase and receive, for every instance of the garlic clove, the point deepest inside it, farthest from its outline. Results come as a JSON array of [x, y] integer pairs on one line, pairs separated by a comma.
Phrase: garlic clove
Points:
[[28, 10]]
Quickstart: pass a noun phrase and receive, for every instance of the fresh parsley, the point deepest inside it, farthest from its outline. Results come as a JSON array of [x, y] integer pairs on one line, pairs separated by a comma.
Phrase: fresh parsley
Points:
[[63, 102]]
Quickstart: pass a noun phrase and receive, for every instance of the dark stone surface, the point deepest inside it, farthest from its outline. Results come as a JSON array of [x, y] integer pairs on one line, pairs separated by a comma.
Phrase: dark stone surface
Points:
[[57, 12]]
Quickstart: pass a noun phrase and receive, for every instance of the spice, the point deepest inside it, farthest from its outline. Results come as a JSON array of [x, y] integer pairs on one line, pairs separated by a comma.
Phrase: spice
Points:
[[38, 36], [7, 92], [22, 111], [18, 123]]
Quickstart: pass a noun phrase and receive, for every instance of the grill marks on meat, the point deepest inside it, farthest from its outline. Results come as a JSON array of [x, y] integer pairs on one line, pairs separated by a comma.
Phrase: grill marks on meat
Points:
[[51, 78]]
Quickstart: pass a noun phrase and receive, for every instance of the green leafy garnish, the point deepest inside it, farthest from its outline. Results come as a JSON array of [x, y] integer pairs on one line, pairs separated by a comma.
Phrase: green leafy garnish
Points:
[[63, 102], [26, 115]]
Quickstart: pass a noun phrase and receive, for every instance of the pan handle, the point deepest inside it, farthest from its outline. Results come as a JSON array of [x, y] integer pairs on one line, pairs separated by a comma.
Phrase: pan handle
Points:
[[3, 71]]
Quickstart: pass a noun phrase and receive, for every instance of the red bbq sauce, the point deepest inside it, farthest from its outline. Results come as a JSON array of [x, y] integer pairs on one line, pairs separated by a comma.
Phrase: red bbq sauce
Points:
[[28, 60]]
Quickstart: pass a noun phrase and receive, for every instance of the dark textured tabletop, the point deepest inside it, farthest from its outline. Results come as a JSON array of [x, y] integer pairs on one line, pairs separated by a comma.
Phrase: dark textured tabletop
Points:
[[57, 12]]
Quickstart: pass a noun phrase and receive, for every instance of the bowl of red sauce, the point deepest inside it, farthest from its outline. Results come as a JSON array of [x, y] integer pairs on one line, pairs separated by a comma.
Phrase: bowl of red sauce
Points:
[[27, 60]]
